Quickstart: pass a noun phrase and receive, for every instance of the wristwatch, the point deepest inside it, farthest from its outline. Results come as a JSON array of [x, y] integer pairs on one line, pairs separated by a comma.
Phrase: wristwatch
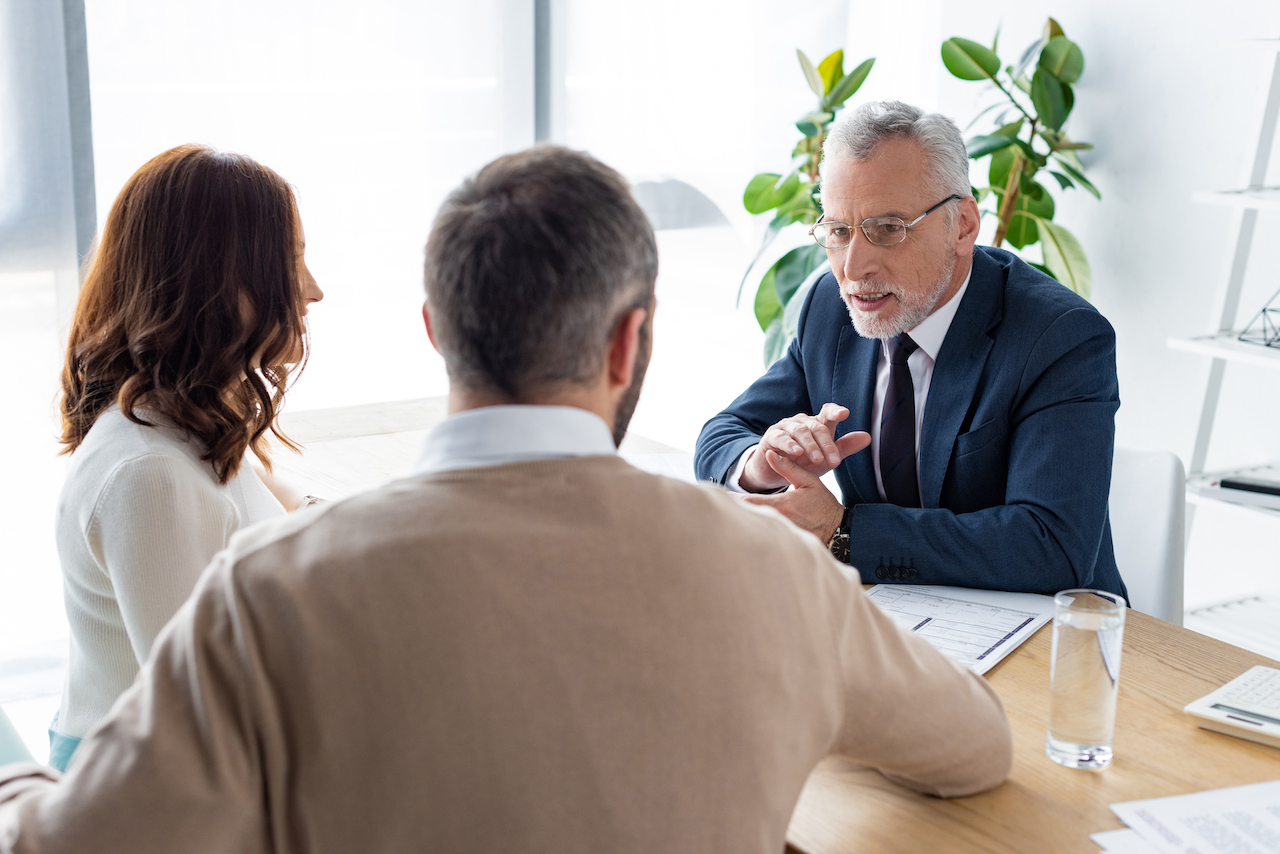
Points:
[[839, 542]]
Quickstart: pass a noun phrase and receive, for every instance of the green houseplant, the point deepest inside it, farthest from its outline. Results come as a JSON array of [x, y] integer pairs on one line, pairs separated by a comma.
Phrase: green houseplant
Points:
[[793, 198], [1034, 101]]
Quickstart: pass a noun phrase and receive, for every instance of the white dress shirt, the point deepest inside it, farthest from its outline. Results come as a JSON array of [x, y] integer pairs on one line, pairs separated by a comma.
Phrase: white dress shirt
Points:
[[496, 435], [929, 335]]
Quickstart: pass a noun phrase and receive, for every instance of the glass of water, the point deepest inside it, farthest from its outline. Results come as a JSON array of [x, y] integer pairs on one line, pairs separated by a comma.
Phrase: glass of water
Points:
[[1084, 675]]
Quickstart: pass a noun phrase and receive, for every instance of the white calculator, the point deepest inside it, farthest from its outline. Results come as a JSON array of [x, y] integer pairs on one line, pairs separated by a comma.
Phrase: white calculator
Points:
[[1246, 707]]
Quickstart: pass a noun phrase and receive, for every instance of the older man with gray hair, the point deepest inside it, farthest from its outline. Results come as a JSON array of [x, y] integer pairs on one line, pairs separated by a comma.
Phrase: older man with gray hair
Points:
[[986, 390]]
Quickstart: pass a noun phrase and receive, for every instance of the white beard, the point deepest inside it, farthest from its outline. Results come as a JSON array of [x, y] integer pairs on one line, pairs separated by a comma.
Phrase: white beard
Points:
[[913, 308]]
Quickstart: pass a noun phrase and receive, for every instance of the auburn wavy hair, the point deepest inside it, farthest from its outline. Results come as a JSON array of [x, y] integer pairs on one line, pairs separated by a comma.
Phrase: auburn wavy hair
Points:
[[191, 306]]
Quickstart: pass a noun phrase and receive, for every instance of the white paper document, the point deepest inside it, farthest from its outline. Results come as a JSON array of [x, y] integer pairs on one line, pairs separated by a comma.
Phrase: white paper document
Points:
[[679, 466], [976, 627], [1239, 820]]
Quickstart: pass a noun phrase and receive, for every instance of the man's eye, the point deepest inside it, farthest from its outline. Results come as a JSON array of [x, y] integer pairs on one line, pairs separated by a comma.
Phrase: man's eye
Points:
[[839, 232], [890, 227]]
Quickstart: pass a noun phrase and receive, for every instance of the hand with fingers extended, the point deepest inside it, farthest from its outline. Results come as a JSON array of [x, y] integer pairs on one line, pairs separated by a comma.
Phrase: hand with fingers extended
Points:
[[806, 440], [810, 505]]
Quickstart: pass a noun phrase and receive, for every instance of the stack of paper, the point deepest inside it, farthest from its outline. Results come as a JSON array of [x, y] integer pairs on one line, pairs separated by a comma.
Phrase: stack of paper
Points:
[[1239, 820]]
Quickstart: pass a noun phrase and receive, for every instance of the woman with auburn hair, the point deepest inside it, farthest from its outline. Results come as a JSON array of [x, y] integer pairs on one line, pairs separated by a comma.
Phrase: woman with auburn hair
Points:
[[187, 328]]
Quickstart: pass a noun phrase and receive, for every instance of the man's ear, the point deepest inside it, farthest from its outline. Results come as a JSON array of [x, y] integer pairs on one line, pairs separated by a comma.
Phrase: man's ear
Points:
[[426, 319], [624, 344], [968, 222]]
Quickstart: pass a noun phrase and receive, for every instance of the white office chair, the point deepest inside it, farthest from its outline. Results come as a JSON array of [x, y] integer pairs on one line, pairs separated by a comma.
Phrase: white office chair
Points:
[[12, 748], [1148, 526]]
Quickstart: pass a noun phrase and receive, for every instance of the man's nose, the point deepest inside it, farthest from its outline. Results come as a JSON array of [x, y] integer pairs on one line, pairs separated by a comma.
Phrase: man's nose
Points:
[[861, 259]]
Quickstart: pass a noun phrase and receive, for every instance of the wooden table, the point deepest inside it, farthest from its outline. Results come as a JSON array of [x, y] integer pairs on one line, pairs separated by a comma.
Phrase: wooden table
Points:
[[1044, 807]]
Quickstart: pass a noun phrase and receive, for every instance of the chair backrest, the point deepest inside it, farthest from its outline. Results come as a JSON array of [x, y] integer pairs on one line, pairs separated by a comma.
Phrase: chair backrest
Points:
[[1148, 525], [12, 748]]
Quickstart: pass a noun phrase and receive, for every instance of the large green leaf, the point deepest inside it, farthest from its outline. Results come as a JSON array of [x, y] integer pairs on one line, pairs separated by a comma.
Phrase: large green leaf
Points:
[[811, 74], [766, 191], [794, 267], [969, 60], [767, 307], [1063, 59], [1049, 100], [775, 342], [791, 312], [831, 70], [1001, 163], [1035, 200], [981, 146], [849, 84], [1065, 258], [1022, 230]]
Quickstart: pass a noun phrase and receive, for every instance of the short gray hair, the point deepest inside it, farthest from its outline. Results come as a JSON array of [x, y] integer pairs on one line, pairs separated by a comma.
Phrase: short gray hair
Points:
[[857, 136], [530, 265]]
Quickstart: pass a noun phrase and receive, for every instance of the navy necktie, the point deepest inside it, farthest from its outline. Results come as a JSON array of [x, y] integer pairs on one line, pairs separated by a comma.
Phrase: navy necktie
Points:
[[898, 428]]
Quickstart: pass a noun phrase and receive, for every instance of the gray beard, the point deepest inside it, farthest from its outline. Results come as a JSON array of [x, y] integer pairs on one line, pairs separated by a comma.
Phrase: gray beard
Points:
[[912, 309]]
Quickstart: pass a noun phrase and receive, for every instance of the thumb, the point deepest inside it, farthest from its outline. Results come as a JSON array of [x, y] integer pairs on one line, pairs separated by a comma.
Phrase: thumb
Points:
[[796, 475], [851, 443]]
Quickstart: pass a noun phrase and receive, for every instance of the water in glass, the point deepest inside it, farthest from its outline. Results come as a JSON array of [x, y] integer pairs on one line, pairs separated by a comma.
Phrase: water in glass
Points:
[[1084, 679]]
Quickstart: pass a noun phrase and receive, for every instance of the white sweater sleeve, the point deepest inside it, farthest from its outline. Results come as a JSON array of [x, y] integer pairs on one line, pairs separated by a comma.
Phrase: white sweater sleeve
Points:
[[156, 526]]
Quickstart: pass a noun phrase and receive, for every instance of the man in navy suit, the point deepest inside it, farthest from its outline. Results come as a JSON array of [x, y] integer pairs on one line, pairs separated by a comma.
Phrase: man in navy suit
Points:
[[986, 390]]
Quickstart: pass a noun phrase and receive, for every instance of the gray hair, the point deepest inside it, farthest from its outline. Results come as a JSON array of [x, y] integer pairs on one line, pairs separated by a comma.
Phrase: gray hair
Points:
[[530, 265], [857, 136]]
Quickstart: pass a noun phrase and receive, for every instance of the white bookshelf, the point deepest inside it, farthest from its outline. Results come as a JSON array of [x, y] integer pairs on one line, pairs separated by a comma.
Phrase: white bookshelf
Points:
[[1222, 345]]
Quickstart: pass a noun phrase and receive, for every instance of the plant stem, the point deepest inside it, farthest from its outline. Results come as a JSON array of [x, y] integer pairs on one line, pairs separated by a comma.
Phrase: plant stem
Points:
[[815, 161], [1005, 216], [1013, 100]]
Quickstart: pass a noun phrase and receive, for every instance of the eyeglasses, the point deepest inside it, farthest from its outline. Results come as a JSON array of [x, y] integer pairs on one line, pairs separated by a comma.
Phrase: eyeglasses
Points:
[[880, 230]]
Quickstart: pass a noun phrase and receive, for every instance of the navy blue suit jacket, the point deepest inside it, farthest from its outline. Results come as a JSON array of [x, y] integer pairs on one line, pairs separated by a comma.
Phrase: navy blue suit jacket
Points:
[[1015, 448]]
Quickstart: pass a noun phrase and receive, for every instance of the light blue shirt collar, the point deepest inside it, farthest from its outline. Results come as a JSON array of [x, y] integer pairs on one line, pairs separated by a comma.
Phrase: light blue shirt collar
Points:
[[496, 435]]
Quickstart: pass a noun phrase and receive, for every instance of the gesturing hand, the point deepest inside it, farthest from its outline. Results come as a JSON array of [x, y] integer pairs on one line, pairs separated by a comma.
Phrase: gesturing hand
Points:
[[810, 505], [805, 440]]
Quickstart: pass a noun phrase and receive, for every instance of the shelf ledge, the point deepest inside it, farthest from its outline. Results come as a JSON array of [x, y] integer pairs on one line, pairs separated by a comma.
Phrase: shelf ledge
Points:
[[1261, 198]]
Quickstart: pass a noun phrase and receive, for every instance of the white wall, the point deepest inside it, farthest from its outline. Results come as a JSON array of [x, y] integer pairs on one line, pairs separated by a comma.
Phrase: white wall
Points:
[[1170, 108]]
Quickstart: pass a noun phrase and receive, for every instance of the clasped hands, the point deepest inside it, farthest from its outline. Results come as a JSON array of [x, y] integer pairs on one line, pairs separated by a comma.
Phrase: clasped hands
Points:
[[798, 451]]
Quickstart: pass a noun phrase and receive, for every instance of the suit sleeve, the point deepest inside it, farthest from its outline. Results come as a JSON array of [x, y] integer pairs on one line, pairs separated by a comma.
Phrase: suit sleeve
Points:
[[1045, 533], [175, 767], [780, 393]]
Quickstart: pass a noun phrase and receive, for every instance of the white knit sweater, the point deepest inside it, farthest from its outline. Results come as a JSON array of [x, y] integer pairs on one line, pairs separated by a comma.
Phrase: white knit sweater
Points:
[[139, 519]]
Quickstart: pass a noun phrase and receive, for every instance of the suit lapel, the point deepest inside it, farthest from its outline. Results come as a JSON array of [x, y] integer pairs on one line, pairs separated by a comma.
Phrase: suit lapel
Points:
[[853, 385], [955, 375]]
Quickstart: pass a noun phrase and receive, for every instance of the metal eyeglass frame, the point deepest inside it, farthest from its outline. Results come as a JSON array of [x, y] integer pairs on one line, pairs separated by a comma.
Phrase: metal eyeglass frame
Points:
[[878, 220]]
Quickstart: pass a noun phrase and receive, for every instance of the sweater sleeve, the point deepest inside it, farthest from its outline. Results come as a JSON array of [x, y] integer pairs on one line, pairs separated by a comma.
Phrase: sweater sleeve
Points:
[[175, 767], [910, 711], [157, 524]]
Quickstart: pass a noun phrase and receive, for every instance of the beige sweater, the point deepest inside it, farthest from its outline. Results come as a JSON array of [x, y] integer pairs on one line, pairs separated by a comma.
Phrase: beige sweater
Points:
[[560, 655]]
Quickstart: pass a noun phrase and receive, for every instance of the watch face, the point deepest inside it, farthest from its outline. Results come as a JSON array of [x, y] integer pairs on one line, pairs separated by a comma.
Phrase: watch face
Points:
[[839, 546]]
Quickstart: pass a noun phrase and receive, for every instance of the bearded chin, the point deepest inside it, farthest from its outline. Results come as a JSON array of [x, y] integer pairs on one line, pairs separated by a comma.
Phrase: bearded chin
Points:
[[912, 308]]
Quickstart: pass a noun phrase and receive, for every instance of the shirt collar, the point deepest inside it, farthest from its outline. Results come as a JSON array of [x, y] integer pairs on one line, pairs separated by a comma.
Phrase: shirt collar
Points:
[[496, 435], [931, 331]]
